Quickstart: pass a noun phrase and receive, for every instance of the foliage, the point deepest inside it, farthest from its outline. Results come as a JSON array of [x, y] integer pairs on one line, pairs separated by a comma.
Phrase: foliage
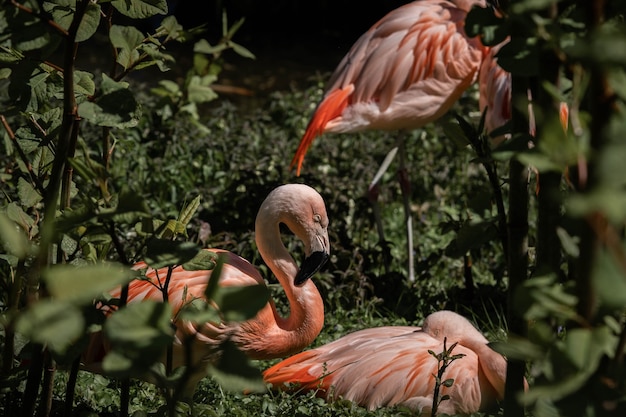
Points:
[[70, 226], [144, 152]]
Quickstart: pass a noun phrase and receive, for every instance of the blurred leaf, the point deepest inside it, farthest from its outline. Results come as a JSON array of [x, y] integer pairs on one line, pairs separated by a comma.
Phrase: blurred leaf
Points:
[[12, 238], [165, 252], [199, 89], [216, 274], [140, 9], [609, 280], [242, 51], [609, 201], [199, 311], [139, 334], [542, 297], [234, 372], [519, 56], [241, 303], [454, 132], [80, 285], [53, 323], [471, 236], [482, 21]]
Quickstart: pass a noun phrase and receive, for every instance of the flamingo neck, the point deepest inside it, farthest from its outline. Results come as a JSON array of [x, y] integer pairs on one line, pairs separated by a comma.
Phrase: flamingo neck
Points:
[[269, 335]]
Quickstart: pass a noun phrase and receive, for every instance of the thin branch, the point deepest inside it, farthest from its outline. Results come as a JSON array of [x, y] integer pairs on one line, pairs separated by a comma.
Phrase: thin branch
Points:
[[34, 178], [41, 16]]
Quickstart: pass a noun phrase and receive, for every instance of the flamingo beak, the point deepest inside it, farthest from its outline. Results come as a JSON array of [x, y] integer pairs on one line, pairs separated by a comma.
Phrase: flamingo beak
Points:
[[310, 266]]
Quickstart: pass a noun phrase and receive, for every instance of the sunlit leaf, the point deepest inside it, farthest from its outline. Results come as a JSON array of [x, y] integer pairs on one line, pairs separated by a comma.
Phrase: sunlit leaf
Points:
[[83, 284], [63, 12], [127, 39], [204, 260], [12, 238], [241, 303], [139, 334], [140, 9], [187, 212], [53, 323]]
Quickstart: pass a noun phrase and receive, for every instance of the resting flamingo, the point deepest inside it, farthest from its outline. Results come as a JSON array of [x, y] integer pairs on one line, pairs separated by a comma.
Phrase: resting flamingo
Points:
[[389, 366], [404, 72], [267, 335]]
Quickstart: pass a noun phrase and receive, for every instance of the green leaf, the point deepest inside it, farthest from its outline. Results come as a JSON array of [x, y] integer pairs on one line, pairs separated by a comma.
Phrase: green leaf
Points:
[[454, 132], [139, 334], [63, 13], [83, 83], [13, 239], [234, 373], [140, 9], [28, 195], [483, 22], [14, 212], [187, 212], [241, 303], [608, 280], [117, 106], [80, 285], [519, 56], [199, 89], [204, 260], [165, 252], [127, 39], [53, 323], [242, 51], [471, 236]]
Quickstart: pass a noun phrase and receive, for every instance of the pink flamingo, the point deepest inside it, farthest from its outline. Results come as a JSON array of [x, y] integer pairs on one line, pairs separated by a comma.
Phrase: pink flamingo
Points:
[[389, 366], [267, 335], [404, 72]]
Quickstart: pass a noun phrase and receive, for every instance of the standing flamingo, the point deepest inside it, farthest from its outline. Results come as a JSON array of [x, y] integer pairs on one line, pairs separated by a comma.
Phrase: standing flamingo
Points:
[[388, 366], [267, 335], [404, 72]]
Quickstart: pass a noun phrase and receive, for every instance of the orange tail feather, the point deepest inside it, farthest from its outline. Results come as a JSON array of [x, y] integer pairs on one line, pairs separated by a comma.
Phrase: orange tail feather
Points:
[[330, 108], [293, 371]]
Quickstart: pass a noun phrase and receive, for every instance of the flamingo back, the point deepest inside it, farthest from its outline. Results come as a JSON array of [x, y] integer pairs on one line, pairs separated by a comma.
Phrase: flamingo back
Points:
[[404, 72], [386, 366]]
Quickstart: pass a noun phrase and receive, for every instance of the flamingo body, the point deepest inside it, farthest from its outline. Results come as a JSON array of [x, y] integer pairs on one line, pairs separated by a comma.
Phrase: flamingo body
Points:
[[388, 366], [267, 335], [404, 72]]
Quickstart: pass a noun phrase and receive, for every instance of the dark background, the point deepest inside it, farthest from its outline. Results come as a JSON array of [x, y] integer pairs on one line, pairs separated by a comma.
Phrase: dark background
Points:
[[295, 42]]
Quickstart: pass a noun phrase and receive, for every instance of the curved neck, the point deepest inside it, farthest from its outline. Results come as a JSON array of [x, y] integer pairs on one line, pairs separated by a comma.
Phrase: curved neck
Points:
[[269, 335]]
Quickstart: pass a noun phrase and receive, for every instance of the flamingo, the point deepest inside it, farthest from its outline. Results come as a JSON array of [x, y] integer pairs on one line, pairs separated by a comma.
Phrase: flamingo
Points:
[[267, 335], [404, 72], [387, 366]]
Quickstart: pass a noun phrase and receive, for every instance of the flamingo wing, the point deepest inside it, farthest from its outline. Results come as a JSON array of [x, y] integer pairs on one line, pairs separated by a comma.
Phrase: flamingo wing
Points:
[[381, 367], [405, 71]]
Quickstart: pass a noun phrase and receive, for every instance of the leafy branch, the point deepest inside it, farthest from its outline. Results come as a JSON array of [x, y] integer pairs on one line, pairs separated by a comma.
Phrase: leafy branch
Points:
[[444, 359]]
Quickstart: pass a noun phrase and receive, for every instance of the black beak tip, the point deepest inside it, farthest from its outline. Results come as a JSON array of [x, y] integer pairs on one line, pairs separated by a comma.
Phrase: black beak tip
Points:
[[310, 266]]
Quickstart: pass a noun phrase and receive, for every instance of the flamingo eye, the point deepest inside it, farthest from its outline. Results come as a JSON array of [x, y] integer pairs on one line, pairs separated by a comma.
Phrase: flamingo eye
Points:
[[317, 218]]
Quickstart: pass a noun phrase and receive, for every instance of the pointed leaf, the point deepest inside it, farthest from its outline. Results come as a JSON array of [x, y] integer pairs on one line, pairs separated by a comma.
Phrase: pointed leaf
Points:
[[140, 9], [53, 323], [164, 252], [139, 334], [187, 213], [241, 303], [13, 239], [80, 285]]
